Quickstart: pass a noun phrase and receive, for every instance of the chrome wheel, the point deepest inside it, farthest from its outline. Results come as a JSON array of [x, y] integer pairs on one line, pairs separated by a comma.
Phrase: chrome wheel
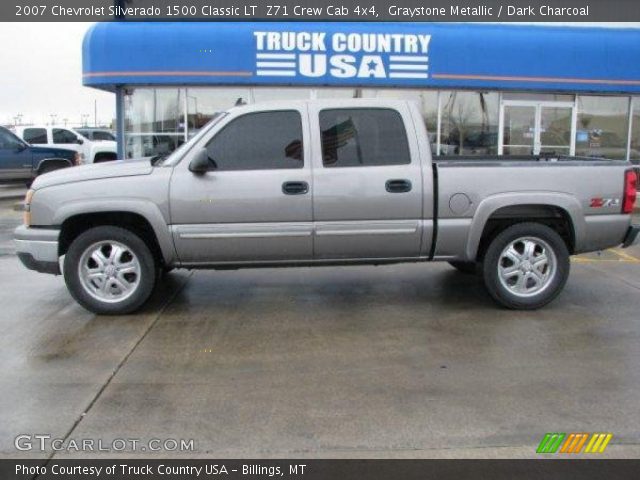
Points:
[[109, 271], [526, 266]]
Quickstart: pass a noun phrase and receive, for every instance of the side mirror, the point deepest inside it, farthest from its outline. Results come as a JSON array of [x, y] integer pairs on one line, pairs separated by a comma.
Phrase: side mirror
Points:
[[20, 147], [79, 141], [201, 162]]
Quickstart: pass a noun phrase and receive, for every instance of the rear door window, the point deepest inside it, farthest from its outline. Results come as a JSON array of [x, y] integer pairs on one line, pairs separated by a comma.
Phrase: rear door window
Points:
[[102, 136], [363, 137], [35, 135], [60, 135]]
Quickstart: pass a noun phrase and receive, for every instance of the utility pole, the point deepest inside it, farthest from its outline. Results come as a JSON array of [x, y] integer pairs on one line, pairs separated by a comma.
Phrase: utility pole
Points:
[[95, 113], [53, 118]]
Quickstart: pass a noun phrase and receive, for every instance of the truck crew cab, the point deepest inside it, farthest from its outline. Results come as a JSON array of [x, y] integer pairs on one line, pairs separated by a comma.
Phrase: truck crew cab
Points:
[[323, 183], [20, 161]]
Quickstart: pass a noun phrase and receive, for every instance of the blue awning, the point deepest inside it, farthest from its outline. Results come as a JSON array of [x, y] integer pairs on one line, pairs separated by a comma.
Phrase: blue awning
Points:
[[427, 55]]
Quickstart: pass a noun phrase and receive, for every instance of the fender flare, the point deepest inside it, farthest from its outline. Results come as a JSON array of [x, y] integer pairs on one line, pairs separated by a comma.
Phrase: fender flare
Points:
[[490, 205], [145, 208]]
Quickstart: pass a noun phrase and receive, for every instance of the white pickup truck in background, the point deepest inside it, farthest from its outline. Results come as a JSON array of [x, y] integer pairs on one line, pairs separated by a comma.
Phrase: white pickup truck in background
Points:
[[63, 137]]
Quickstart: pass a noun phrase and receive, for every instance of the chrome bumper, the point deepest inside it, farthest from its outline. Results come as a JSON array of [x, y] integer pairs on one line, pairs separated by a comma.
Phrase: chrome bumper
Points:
[[37, 248]]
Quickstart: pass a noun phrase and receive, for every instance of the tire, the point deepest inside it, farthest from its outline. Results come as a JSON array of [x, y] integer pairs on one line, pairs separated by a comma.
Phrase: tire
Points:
[[116, 256], [514, 278], [469, 268], [166, 270], [51, 168]]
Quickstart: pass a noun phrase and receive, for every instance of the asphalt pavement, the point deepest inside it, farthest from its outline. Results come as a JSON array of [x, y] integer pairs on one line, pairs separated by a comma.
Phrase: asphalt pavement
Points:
[[341, 362]]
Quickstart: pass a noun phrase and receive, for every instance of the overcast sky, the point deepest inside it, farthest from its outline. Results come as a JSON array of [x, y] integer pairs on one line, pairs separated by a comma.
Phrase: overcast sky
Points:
[[42, 74]]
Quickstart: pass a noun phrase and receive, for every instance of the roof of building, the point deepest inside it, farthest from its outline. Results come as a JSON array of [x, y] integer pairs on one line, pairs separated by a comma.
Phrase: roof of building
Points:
[[430, 55]]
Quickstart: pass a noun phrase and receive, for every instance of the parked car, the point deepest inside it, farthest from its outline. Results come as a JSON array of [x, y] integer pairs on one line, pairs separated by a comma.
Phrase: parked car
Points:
[[20, 161], [96, 134], [323, 183], [90, 152]]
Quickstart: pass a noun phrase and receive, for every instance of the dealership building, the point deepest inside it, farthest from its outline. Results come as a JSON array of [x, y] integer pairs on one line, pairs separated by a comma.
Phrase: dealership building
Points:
[[482, 88]]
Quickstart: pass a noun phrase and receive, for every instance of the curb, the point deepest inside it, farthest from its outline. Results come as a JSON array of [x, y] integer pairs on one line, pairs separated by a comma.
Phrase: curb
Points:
[[17, 196]]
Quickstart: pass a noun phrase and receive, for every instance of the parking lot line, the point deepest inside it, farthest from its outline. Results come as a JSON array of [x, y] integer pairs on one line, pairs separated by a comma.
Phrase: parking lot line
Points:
[[622, 257], [625, 255]]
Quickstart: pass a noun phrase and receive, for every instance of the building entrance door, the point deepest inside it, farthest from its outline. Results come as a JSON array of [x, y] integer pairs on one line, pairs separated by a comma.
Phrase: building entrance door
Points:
[[535, 127]]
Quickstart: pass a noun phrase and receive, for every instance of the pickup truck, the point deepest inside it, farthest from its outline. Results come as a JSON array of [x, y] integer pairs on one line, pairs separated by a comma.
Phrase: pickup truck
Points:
[[62, 137], [22, 162], [313, 183]]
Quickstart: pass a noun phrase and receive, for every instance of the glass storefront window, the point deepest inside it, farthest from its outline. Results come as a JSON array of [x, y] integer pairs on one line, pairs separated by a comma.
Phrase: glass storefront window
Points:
[[426, 99], [538, 97], [634, 153], [336, 93], [602, 127], [154, 121], [204, 103], [469, 123], [263, 94]]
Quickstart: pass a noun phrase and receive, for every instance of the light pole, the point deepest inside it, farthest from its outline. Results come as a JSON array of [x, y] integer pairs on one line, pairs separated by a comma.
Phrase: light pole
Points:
[[195, 114]]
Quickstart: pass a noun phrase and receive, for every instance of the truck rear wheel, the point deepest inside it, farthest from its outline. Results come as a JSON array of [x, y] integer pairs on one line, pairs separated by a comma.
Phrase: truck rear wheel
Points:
[[526, 266], [110, 270]]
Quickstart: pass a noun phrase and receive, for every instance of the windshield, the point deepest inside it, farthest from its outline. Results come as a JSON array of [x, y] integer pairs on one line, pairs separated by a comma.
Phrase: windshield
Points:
[[176, 155], [10, 135]]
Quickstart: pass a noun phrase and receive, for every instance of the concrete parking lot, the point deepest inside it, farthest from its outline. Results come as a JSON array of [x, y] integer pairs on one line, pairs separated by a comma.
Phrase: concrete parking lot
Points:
[[393, 361]]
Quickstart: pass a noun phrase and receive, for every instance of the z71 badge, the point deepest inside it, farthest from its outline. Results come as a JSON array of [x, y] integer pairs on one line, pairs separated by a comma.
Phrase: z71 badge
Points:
[[599, 202]]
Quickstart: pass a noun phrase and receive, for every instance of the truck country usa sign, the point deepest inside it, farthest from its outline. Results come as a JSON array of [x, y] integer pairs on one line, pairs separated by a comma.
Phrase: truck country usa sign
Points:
[[342, 55]]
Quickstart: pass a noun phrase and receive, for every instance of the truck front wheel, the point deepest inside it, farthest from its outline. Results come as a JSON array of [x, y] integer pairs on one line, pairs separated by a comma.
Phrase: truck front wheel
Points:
[[526, 266], [110, 270]]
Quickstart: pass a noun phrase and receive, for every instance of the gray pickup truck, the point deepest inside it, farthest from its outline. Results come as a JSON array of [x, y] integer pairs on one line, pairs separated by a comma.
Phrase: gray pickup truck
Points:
[[322, 183]]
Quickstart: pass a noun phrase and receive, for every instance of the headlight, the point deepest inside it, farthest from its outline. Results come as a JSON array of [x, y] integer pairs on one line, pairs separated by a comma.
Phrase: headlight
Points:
[[26, 216]]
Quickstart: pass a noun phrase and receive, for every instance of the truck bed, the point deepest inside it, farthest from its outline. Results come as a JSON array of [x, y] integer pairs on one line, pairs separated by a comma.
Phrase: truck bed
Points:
[[496, 160]]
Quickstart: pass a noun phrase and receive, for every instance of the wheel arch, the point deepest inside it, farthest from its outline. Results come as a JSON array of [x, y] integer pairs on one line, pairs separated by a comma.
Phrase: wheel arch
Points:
[[145, 220], [61, 162], [101, 157], [562, 212]]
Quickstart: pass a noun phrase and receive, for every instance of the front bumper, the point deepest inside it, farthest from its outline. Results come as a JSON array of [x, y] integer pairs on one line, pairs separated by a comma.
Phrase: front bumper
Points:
[[631, 238], [37, 248]]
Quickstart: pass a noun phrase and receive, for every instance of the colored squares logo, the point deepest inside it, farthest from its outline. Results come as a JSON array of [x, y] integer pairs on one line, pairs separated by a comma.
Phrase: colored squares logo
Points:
[[574, 443]]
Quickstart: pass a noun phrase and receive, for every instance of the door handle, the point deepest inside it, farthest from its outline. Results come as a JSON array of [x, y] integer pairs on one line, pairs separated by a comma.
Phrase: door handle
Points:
[[399, 185], [295, 188]]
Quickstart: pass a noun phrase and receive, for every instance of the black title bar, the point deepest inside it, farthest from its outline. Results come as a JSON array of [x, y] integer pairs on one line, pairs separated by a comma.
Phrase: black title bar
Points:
[[322, 10], [118, 469]]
